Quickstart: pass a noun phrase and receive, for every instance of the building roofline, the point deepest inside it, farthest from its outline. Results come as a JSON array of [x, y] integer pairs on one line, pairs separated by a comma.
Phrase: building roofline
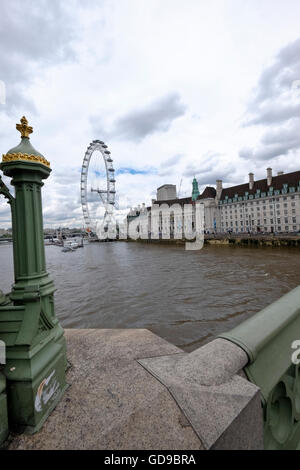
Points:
[[292, 179], [164, 185]]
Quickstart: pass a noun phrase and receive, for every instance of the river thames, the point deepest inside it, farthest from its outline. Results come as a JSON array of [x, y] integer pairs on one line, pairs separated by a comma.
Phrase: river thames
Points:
[[186, 297]]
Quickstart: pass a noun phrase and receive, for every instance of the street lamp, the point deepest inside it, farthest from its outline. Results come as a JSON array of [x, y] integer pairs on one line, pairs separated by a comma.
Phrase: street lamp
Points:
[[35, 344]]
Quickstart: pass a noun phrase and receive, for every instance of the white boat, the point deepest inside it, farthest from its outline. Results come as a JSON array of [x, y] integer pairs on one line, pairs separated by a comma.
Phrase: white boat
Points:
[[66, 249], [71, 244]]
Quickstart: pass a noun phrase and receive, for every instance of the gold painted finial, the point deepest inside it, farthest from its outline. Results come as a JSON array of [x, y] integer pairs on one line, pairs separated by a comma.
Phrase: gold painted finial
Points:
[[24, 128]]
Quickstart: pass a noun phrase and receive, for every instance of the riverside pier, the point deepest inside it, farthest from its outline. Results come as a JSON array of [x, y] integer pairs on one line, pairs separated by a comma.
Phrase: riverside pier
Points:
[[235, 240]]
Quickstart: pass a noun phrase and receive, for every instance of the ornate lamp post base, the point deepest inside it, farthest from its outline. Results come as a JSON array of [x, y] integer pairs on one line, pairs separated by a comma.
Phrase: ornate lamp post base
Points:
[[36, 383]]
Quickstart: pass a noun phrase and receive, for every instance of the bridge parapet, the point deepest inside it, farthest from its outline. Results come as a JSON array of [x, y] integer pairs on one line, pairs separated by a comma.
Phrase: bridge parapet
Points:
[[270, 339]]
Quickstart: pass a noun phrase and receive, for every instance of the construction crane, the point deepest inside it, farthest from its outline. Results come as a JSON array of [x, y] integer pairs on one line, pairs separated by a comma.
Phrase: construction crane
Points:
[[178, 195]]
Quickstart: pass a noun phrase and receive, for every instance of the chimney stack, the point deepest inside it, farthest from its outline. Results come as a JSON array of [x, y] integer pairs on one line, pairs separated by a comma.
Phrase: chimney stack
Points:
[[269, 176], [280, 173], [251, 180], [219, 188]]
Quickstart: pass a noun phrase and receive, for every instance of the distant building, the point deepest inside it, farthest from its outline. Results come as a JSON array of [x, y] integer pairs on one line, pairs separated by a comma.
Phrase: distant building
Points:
[[267, 205], [208, 198], [166, 192]]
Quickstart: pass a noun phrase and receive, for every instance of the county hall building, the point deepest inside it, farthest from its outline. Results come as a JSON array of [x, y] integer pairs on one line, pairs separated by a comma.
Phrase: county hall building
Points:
[[265, 206]]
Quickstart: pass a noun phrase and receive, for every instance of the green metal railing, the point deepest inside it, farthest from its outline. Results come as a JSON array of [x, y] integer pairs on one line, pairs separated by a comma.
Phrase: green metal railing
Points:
[[269, 339]]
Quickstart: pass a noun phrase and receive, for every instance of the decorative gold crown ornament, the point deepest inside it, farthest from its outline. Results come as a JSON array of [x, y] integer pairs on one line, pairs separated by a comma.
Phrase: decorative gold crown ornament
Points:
[[25, 151], [11, 157], [24, 128]]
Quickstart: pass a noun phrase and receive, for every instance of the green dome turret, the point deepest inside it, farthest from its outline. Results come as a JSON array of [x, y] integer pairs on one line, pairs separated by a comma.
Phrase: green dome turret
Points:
[[195, 192], [25, 151]]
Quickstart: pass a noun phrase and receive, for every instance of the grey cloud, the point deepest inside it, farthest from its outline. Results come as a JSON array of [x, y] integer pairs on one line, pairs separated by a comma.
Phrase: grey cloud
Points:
[[275, 106], [5, 213], [246, 153], [168, 167], [69, 176], [33, 33], [274, 114], [4, 208], [172, 161], [59, 217], [166, 172], [209, 175], [66, 211], [279, 76], [190, 170], [209, 160], [275, 142], [141, 122], [289, 135], [5, 222], [264, 153]]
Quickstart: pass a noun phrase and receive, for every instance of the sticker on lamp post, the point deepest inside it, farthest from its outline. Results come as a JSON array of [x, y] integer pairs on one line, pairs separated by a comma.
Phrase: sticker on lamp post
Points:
[[47, 390], [2, 353], [296, 354], [2, 92]]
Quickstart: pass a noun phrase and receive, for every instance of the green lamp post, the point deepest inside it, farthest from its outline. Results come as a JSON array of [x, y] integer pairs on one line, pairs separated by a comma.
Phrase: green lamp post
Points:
[[35, 345]]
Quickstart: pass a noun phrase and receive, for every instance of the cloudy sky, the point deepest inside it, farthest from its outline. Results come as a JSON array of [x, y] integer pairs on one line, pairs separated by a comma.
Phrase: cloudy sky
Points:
[[175, 88]]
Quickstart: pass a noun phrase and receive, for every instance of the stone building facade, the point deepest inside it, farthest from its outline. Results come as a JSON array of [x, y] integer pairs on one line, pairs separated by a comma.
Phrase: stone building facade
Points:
[[270, 205], [166, 192]]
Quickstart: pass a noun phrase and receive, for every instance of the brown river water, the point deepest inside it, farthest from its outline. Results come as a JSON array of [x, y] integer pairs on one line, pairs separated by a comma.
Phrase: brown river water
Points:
[[186, 297]]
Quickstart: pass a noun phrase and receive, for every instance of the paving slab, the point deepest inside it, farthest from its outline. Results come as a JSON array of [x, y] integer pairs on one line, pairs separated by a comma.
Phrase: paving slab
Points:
[[112, 401]]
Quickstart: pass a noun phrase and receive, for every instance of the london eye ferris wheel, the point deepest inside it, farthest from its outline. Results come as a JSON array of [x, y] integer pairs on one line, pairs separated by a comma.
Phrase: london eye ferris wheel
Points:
[[97, 185]]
